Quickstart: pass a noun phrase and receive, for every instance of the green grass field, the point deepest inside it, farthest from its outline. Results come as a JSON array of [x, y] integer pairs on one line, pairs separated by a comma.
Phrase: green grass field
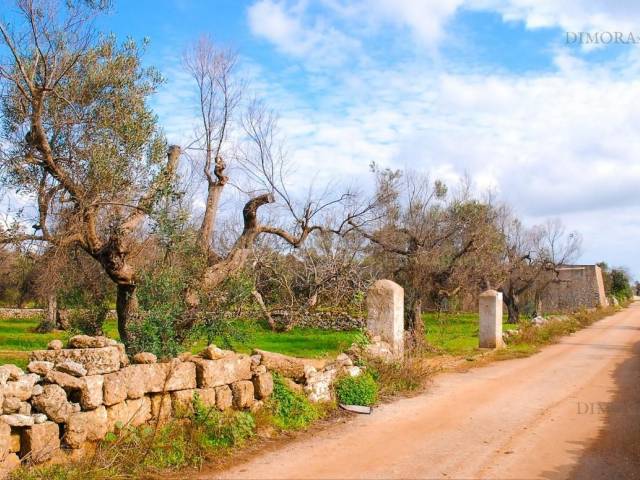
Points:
[[17, 338], [455, 333]]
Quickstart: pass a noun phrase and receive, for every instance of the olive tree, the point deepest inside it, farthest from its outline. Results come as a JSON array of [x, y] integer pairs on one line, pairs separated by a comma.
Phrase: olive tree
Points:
[[79, 138]]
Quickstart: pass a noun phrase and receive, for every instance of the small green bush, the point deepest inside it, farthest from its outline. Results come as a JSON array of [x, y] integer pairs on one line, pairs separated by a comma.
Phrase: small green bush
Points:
[[221, 430], [290, 410], [360, 390]]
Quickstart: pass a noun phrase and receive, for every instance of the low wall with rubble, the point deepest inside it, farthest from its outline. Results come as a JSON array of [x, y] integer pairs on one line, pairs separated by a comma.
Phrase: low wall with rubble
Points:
[[71, 396]]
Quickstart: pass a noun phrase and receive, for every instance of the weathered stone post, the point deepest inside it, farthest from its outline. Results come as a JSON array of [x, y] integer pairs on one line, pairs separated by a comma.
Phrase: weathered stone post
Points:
[[491, 319], [385, 314]]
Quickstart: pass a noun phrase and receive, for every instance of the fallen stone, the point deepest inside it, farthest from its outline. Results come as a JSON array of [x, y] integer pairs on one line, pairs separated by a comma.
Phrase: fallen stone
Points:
[[263, 385], [97, 361], [55, 345], [287, 366], [145, 357], [344, 359], [356, 409], [72, 368], [85, 426], [353, 371], [318, 387], [214, 373], [53, 403], [40, 367], [242, 394], [40, 441], [91, 393], [17, 420]]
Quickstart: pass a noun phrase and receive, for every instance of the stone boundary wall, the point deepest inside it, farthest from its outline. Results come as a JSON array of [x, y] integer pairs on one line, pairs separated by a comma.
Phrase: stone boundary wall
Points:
[[71, 396], [330, 321], [577, 287]]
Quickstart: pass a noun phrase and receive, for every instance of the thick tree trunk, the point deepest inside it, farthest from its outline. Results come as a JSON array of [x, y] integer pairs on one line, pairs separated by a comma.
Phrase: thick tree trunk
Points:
[[48, 323], [513, 308], [127, 310]]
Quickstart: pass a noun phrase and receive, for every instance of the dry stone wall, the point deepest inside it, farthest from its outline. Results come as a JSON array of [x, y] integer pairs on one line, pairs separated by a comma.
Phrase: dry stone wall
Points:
[[71, 396], [575, 287]]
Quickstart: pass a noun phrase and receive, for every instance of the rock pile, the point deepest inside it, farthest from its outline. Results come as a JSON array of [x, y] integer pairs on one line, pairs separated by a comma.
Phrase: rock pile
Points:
[[71, 396]]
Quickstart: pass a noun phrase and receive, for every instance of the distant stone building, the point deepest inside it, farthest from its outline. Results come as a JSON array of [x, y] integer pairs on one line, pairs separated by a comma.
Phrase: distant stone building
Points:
[[575, 287]]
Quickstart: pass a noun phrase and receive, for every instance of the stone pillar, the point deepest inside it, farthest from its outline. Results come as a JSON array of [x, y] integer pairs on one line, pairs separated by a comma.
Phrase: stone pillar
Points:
[[491, 319], [385, 314]]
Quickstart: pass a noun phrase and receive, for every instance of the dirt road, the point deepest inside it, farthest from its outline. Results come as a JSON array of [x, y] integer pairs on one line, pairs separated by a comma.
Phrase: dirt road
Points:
[[571, 411]]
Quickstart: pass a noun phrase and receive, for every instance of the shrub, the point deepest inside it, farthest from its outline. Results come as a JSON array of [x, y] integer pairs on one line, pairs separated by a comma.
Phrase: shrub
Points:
[[399, 377], [290, 410], [218, 429], [360, 390]]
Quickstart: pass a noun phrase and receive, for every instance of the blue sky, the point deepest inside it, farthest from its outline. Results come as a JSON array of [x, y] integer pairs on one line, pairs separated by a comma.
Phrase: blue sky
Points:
[[488, 88]]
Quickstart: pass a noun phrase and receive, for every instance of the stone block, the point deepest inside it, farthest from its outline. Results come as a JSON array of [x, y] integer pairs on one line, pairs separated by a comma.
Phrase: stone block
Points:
[[40, 441], [9, 372], [66, 381], [182, 400], [96, 360], [242, 394], [22, 387], [40, 367], [5, 439], [86, 341], [53, 403], [11, 405], [263, 385], [55, 345], [8, 464], [214, 373], [72, 368], [86, 427], [114, 388], [385, 314], [129, 413], [224, 397], [159, 377], [17, 420], [145, 357], [91, 393], [490, 306], [14, 440], [161, 408]]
